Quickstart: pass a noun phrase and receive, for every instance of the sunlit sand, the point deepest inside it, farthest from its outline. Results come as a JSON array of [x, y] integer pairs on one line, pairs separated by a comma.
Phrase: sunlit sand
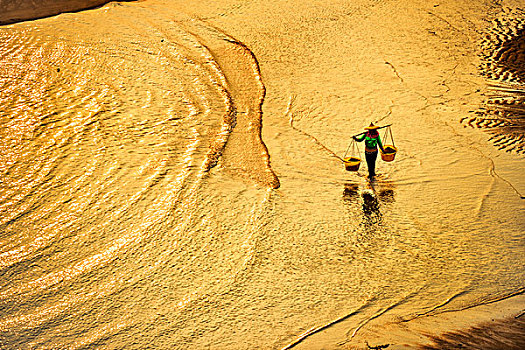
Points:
[[172, 174]]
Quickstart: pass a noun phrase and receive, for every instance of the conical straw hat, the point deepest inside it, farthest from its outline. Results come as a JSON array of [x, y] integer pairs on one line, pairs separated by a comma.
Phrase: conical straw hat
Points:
[[372, 127]]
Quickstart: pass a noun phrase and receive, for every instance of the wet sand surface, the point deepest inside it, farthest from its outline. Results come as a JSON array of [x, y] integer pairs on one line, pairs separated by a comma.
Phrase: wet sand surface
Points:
[[170, 175], [487, 326]]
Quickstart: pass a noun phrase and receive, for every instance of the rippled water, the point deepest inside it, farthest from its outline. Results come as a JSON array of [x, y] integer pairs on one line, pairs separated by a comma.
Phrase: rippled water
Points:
[[140, 208]]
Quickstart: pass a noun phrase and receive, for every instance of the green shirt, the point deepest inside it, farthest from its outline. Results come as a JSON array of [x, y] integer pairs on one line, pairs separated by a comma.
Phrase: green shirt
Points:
[[371, 142]]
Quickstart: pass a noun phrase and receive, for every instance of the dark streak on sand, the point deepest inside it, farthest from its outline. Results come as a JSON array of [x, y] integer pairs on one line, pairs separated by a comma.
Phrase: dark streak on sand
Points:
[[11, 11], [500, 334]]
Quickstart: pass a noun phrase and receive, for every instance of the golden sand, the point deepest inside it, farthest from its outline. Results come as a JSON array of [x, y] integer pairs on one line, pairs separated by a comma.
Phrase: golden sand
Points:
[[171, 175]]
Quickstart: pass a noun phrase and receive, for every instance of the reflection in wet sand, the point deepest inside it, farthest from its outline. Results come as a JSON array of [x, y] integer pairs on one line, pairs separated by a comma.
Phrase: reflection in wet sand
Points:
[[372, 200], [372, 196]]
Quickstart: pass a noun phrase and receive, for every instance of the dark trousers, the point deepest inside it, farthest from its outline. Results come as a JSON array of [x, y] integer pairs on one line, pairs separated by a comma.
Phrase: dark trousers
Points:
[[371, 162]]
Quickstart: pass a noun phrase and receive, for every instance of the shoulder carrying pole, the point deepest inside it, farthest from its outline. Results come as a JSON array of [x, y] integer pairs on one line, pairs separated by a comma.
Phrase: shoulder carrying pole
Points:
[[364, 132]]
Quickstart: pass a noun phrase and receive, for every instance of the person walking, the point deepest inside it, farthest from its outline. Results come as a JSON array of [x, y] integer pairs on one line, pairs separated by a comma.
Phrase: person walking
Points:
[[372, 140]]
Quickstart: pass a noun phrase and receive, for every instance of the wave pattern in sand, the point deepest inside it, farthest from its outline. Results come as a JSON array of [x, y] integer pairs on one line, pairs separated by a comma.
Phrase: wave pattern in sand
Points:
[[503, 55], [104, 161]]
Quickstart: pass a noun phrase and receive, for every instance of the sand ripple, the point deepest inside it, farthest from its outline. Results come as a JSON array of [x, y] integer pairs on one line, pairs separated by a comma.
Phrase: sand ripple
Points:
[[503, 55], [106, 143]]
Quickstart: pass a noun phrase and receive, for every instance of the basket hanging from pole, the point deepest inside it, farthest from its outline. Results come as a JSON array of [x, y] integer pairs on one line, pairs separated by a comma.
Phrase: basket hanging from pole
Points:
[[390, 150], [353, 162]]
